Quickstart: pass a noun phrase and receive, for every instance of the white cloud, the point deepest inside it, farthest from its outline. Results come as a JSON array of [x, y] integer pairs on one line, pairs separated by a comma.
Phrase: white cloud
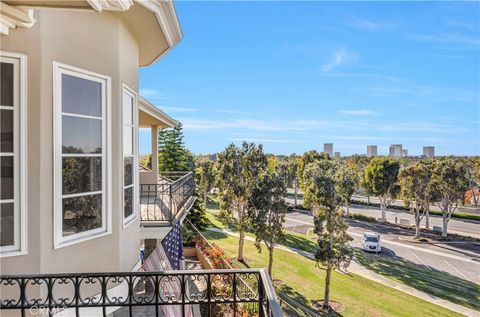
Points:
[[264, 140], [339, 57], [447, 38], [177, 109], [151, 93], [359, 112], [371, 25]]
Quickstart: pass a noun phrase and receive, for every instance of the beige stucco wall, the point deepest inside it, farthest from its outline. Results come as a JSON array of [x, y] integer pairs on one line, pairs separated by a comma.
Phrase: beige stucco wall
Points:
[[96, 42]]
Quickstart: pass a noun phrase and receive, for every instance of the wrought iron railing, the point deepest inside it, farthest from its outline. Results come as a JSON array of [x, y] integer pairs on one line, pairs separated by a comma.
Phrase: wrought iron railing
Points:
[[160, 203], [217, 292]]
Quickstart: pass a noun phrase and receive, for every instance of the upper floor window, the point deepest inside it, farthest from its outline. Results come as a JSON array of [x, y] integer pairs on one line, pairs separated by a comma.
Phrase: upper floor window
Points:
[[12, 154], [130, 189], [82, 189]]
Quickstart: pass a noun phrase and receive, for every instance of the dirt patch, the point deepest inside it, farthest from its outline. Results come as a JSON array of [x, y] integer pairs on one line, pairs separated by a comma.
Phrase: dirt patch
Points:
[[334, 306]]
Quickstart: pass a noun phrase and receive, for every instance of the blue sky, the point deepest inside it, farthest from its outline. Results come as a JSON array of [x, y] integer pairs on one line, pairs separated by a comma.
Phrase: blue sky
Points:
[[294, 75]]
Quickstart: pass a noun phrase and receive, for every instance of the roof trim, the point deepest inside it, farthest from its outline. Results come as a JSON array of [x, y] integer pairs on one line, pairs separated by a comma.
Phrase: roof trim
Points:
[[167, 18], [147, 107]]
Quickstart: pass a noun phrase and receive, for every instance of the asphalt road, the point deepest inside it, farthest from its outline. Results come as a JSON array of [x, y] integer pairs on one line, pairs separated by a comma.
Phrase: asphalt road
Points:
[[461, 259], [455, 225]]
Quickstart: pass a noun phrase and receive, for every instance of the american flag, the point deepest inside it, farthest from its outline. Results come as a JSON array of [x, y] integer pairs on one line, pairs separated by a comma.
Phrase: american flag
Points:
[[167, 256]]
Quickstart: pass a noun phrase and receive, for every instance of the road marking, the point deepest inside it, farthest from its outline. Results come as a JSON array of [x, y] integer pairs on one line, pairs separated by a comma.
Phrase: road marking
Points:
[[299, 221], [457, 271], [406, 246], [421, 261]]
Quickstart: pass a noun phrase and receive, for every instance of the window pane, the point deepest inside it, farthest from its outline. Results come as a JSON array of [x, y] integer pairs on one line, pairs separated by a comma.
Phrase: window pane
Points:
[[82, 214], [6, 130], [127, 140], [127, 109], [6, 176], [6, 70], [128, 171], [127, 202], [81, 96], [81, 135], [81, 174], [7, 224]]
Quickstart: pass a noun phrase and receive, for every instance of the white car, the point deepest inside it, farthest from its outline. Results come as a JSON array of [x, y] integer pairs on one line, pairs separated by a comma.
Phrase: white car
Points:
[[371, 242]]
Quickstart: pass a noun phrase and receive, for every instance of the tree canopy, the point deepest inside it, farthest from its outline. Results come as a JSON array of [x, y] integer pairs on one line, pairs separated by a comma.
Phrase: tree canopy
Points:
[[172, 154]]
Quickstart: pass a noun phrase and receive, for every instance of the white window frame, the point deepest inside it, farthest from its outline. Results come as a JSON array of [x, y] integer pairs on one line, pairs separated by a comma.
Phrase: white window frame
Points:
[[105, 81], [135, 203], [19, 153]]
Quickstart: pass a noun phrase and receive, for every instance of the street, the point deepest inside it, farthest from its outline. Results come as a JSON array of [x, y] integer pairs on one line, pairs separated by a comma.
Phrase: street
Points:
[[460, 259], [455, 225]]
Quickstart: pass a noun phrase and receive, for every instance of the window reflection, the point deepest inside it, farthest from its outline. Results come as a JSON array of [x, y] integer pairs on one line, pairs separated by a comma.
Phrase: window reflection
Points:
[[6, 130], [6, 176], [82, 214], [81, 96], [7, 222], [82, 174], [6, 88], [80, 135], [128, 202], [128, 171]]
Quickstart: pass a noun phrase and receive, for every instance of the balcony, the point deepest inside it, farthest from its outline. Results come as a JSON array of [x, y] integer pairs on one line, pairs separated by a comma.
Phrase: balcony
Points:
[[167, 200], [170, 293]]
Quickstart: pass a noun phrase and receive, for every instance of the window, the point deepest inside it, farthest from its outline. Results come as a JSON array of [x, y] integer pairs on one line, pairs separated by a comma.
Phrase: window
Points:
[[82, 186], [130, 189], [12, 154]]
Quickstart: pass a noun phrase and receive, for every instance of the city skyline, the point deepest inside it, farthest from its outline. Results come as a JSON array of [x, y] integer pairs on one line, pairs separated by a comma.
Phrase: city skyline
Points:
[[349, 73]]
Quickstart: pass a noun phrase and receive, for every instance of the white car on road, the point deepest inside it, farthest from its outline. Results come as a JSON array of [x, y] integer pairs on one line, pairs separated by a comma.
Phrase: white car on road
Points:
[[371, 242]]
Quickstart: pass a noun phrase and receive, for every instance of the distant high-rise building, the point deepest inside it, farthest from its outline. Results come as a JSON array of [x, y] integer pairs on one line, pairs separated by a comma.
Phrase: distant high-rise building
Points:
[[371, 150], [429, 151], [328, 148], [396, 150], [404, 152], [336, 154]]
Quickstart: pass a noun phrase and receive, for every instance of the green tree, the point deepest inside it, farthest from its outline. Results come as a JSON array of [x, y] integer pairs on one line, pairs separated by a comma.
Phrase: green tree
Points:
[[415, 190], [320, 193], [267, 208], [449, 183], [307, 158], [380, 179], [205, 175], [238, 173], [172, 154], [347, 180], [197, 220]]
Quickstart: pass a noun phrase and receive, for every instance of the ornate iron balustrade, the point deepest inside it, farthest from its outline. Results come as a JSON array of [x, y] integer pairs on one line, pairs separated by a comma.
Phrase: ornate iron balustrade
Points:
[[217, 292], [160, 203]]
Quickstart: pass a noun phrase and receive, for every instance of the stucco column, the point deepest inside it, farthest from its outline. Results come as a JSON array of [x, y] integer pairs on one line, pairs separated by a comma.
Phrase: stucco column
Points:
[[154, 131]]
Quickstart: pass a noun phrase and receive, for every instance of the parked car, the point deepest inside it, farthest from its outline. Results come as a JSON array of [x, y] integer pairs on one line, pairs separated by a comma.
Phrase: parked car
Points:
[[371, 242]]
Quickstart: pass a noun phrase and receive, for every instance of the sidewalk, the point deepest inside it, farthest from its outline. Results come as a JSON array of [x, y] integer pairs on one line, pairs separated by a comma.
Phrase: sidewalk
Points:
[[356, 268]]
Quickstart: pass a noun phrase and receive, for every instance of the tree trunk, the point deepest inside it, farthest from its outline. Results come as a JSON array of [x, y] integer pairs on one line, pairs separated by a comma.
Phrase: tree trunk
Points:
[[205, 198], [240, 245], [241, 232], [445, 226], [326, 298], [270, 259], [368, 200], [383, 207], [427, 218], [348, 209], [417, 225], [296, 193]]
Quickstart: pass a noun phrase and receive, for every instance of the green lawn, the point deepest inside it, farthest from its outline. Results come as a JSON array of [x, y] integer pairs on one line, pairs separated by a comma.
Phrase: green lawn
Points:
[[301, 279], [433, 282]]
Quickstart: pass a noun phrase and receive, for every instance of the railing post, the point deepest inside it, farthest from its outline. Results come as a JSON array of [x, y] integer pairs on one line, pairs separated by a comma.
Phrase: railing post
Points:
[[170, 210], [261, 296]]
